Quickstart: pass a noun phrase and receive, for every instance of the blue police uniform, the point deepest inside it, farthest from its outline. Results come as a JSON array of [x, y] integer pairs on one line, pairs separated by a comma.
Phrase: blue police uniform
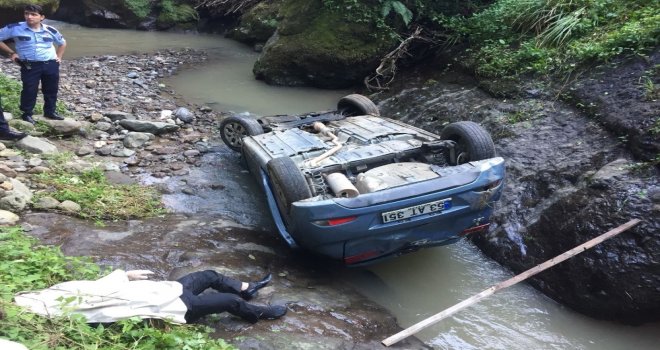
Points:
[[35, 48]]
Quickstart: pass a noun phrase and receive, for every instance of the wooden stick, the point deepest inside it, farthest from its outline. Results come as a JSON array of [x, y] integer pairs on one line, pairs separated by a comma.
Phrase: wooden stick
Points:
[[508, 283]]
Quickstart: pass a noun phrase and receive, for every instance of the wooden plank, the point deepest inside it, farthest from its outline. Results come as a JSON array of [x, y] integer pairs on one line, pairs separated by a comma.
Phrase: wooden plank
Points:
[[508, 283]]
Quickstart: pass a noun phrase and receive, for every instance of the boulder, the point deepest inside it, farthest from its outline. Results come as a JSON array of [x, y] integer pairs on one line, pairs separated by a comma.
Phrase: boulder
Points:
[[155, 128], [320, 48], [36, 145], [257, 25]]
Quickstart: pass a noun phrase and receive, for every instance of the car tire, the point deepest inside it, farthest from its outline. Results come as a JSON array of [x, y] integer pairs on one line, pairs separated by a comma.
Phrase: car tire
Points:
[[234, 128], [472, 142], [289, 184], [356, 104]]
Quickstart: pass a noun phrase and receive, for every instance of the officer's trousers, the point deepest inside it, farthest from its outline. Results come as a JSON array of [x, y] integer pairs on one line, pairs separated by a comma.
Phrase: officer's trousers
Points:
[[48, 73]]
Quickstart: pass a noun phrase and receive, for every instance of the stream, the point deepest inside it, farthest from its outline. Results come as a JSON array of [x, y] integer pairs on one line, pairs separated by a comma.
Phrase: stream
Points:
[[412, 287]]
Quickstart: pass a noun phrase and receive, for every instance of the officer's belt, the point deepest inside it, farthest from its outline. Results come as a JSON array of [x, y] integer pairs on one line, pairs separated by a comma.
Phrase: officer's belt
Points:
[[37, 62]]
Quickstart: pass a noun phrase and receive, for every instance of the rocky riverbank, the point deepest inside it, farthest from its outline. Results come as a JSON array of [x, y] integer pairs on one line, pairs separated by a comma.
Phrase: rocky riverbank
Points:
[[572, 174], [124, 121]]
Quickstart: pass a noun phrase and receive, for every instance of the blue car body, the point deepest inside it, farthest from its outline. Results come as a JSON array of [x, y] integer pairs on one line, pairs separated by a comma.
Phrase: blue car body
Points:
[[400, 193]]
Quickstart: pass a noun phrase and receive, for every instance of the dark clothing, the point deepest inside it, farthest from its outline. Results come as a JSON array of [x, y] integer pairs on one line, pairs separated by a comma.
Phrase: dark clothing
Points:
[[33, 72], [227, 299], [4, 127]]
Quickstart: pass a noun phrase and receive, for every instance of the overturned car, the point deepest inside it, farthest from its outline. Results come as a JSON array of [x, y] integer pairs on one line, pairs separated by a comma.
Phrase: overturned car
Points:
[[354, 186]]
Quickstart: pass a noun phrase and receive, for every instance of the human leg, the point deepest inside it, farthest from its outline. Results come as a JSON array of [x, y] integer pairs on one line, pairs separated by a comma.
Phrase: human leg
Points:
[[5, 132], [50, 80], [214, 303], [199, 281], [30, 78]]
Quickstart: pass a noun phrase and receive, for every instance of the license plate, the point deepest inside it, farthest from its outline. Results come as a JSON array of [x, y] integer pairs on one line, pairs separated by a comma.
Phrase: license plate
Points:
[[416, 210]]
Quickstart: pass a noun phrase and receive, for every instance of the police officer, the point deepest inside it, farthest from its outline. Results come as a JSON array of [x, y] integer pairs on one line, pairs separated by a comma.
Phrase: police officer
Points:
[[39, 50]]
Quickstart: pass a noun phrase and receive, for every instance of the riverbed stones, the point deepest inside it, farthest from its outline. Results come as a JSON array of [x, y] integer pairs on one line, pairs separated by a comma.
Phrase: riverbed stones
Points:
[[8, 218], [137, 139], [46, 202], [69, 207], [16, 199], [66, 127], [184, 114], [156, 128], [37, 145]]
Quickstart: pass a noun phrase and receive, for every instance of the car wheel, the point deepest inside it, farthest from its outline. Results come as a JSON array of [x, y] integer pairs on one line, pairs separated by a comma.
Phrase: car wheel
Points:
[[289, 184], [472, 142], [234, 128], [357, 104]]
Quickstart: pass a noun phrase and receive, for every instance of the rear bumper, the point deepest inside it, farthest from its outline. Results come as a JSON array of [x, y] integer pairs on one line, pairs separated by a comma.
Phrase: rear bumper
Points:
[[368, 239]]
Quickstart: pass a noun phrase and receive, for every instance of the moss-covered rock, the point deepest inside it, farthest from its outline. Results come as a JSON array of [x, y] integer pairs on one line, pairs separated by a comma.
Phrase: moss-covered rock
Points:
[[130, 14], [317, 47], [12, 10], [174, 13], [258, 24]]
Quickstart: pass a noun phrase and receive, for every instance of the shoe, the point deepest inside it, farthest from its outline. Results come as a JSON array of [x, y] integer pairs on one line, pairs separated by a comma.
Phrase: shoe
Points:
[[253, 287], [28, 118], [273, 312], [54, 116], [11, 135]]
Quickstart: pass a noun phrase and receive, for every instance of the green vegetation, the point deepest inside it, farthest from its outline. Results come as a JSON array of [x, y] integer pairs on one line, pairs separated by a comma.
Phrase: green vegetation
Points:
[[140, 8], [10, 93], [24, 265], [98, 199], [172, 12], [532, 36], [506, 38]]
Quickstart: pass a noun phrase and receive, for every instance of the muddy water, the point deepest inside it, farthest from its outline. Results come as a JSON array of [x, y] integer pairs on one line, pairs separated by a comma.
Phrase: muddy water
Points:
[[412, 287]]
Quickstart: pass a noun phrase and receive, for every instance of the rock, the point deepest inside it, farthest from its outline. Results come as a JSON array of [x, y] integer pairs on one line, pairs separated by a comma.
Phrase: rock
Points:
[[7, 153], [47, 203], [8, 218], [95, 116], [137, 139], [7, 171], [104, 151], [293, 55], [84, 150], [191, 153], [2, 146], [111, 166], [118, 178], [121, 152], [36, 145], [132, 160], [78, 165], [69, 207], [156, 128], [17, 199], [104, 126], [39, 170], [35, 162], [117, 115], [64, 127], [165, 114], [184, 114], [7, 186]]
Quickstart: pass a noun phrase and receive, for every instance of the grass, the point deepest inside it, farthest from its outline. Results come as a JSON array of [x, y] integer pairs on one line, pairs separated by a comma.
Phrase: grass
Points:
[[10, 94], [513, 37], [98, 199], [25, 265]]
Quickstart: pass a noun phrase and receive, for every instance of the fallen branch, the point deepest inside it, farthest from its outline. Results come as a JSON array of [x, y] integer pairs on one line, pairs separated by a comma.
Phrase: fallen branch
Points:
[[384, 74], [508, 283]]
